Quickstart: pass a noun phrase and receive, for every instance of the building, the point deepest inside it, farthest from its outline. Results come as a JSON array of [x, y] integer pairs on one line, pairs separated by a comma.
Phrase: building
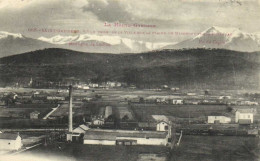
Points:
[[111, 84], [160, 100], [34, 115], [125, 137], [251, 103], [191, 101], [25, 96], [9, 141], [218, 120], [162, 126], [108, 111], [177, 102], [98, 121], [77, 134], [130, 137], [57, 98], [244, 116], [81, 129], [93, 85], [191, 94], [224, 97], [100, 138], [175, 89]]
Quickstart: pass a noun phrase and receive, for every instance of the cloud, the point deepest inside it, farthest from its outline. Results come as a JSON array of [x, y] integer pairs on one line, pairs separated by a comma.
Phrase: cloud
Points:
[[167, 15], [42, 13], [110, 11]]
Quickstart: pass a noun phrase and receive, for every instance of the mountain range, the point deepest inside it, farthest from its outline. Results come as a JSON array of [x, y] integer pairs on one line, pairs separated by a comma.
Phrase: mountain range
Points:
[[213, 37], [190, 68], [222, 38]]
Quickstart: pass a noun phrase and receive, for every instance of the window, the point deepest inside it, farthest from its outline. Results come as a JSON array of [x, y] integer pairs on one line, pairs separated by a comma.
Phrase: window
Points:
[[165, 127]]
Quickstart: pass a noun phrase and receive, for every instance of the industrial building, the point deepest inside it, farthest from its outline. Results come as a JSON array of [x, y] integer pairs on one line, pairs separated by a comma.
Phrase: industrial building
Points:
[[161, 136], [125, 137], [129, 137]]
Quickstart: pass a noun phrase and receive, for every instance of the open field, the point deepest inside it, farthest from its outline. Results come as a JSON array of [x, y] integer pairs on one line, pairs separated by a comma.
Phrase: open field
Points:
[[217, 148], [81, 152], [24, 110], [185, 113], [181, 111], [63, 110]]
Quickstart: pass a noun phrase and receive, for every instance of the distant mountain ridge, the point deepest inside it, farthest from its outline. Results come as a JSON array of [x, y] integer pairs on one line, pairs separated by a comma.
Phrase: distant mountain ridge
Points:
[[16, 43], [212, 38], [11, 44], [223, 38], [127, 45], [193, 68]]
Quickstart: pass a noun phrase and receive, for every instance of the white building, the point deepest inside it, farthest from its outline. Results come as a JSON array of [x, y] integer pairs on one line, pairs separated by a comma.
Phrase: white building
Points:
[[60, 98], [177, 102], [244, 117], [218, 119], [85, 87], [162, 126], [224, 97], [98, 121], [251, 103], [111, 84], [99, 138], [10, 141], [93, 85]]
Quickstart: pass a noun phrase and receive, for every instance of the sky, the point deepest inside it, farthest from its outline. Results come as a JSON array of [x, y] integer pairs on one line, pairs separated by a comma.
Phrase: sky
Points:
[[18, 16]]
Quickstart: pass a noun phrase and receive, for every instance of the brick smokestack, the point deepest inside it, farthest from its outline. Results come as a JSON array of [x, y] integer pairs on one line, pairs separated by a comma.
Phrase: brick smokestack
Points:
[[70, 109]]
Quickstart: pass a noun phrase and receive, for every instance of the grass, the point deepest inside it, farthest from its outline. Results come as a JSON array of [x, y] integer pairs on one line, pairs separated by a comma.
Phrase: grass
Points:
[[180, 111], [216, 148], [98, 152]]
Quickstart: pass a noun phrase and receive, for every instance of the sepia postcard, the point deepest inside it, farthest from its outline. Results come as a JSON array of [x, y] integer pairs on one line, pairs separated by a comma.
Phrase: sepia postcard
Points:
[[129, 80]]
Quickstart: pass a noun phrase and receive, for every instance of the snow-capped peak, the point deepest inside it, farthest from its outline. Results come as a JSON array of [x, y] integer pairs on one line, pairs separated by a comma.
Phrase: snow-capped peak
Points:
[[226, 30], [4, 34], [214, 30], [59, 39], [134, 45]]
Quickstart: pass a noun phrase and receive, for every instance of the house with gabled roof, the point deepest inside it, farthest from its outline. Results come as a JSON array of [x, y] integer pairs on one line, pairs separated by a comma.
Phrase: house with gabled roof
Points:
[[244, 116], [10, 141]]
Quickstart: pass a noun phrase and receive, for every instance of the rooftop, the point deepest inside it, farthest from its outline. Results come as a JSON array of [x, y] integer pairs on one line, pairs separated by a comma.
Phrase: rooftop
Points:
[[113, 134], [8, 136]]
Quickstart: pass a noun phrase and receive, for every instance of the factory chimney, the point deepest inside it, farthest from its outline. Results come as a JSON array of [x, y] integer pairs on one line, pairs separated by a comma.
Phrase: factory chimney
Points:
[[70, 109]]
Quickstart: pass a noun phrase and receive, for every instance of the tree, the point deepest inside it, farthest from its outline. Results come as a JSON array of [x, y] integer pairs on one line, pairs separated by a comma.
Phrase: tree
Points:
[[141, 100], [125, 118], [110, 118], [229, 109]]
